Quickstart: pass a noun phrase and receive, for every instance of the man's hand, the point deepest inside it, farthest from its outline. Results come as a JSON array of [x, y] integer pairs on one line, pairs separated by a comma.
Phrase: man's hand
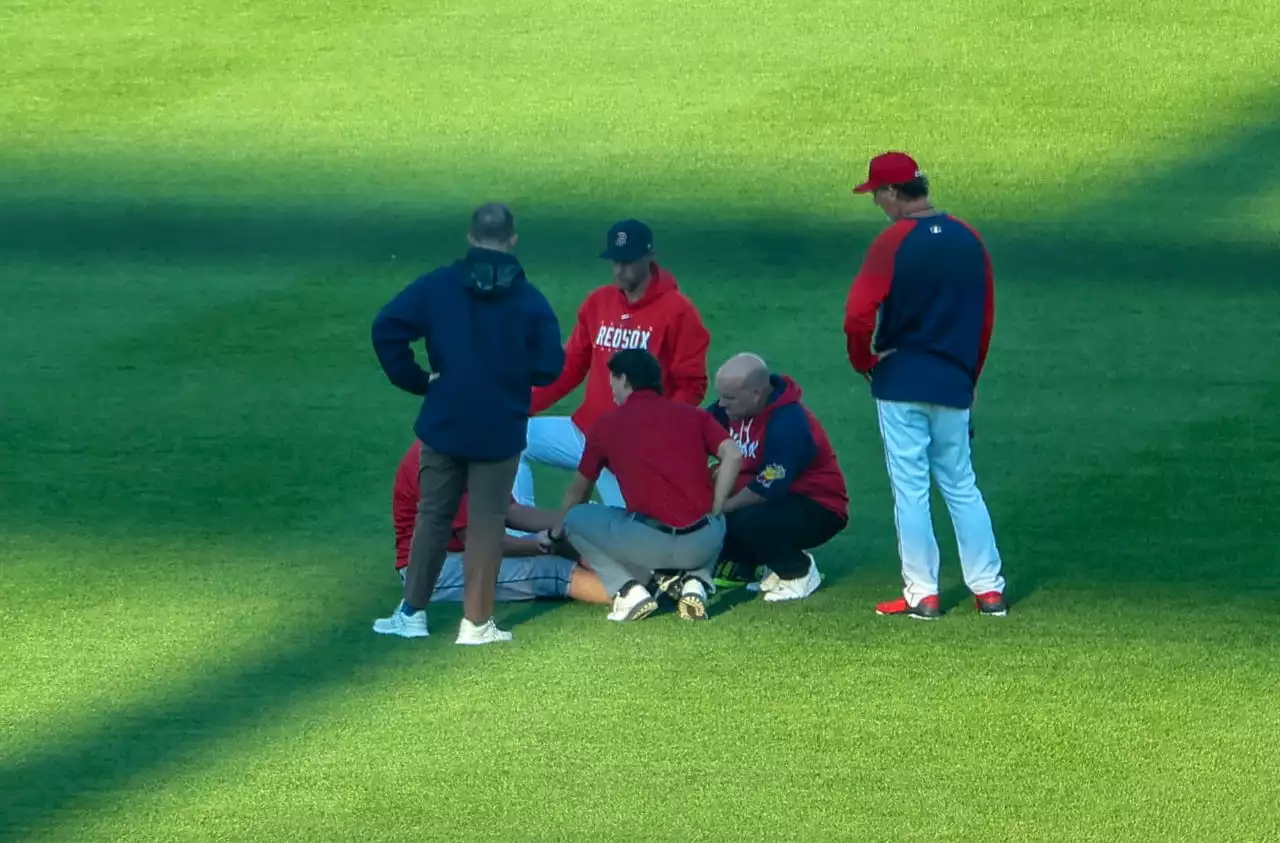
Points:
[[545, 541], [557, 544]]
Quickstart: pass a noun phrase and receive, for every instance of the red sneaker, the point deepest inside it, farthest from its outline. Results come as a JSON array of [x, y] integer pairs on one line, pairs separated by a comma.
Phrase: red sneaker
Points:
[[991, 603], [926, 610]]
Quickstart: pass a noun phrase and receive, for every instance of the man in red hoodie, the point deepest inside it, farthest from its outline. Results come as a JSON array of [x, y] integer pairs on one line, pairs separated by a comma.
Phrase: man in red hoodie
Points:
[[644, 308], [790, 496]]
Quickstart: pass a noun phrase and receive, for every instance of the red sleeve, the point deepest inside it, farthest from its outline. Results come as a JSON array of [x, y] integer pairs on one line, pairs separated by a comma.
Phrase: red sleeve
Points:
[[404, 503], [687, 360], [577, 362], [593, 457], [988, 305], [713, 433], [988, 318], [869, 289]]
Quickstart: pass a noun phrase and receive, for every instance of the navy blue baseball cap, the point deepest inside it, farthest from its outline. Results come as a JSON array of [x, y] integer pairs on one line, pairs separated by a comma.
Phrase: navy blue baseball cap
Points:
[[628, 241]]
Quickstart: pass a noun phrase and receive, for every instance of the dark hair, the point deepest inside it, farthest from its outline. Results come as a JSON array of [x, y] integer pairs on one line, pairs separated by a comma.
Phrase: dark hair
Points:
[[917, 188], [639, 367], [493, 222]]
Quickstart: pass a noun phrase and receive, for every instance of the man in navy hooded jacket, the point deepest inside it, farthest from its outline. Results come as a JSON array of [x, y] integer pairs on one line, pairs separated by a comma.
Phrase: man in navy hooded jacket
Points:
[[790, 496], [491, 337]]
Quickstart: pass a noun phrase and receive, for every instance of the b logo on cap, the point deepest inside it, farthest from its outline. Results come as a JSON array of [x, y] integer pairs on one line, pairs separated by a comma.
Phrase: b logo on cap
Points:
[[621, 240]]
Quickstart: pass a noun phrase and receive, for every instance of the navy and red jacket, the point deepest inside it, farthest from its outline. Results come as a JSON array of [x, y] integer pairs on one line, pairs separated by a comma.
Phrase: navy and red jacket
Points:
[[919, 314], [786, 451]]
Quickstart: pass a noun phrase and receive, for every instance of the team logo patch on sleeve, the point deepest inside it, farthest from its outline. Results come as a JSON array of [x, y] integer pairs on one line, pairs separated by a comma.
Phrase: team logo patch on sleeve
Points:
[[770, 474]]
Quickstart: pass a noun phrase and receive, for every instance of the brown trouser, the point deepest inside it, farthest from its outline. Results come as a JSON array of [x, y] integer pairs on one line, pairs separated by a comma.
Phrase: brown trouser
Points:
[[441, 481]]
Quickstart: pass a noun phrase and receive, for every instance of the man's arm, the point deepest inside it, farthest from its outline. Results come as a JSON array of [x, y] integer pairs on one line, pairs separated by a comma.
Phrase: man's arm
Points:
[[787, 450], [745, 498], [400, 322], [577, 363], [726, 475], [688, 359], [546, 355], [511, 545], [869, 289], [718, 444], [531, 519], [988, 319], [579, 491], [988, 306]]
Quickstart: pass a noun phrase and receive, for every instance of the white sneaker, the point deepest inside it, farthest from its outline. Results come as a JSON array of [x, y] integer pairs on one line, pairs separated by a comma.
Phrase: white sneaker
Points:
[[693, 600], [636, 603], [485, 633], [406, 626], [796, 589], [768, 581]]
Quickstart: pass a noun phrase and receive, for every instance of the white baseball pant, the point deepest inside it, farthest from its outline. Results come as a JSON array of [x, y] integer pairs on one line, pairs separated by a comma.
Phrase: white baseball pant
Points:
[[556, 441], [920, 439]]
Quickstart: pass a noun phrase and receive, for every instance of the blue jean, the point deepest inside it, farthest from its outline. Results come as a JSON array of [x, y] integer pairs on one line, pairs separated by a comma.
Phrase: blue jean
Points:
[[519, 578]]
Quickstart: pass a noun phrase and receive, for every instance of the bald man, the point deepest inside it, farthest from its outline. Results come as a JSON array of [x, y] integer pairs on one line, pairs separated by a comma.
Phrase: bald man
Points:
[[790, 496]]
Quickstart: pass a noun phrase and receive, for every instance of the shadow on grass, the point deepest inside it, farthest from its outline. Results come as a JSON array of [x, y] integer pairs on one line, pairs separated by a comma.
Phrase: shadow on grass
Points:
[[726, 600], [526, 611], [128, 746], [177, 234]]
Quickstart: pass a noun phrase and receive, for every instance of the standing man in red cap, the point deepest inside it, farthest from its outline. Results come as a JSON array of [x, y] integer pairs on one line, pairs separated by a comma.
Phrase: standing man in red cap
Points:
[[918, 324], [643, 308]]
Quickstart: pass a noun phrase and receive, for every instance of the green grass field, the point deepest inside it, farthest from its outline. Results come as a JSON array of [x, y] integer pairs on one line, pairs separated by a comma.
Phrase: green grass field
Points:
[[203, 204]]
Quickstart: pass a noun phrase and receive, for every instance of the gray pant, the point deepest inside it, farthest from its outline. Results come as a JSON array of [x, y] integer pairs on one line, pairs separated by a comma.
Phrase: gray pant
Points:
[[621, 549]]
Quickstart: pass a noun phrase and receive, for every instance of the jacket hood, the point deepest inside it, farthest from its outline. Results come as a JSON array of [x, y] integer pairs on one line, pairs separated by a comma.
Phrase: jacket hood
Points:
[[661, 282], [785, 391], [490, 274]]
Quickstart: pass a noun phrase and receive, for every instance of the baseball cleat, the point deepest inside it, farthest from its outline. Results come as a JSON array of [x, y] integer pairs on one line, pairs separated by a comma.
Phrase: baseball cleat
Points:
[[926, 610], [692, 605], [991, 603]]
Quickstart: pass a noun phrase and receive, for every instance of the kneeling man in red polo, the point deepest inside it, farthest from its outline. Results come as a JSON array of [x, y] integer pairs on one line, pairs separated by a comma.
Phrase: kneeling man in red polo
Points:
[[658, 451]]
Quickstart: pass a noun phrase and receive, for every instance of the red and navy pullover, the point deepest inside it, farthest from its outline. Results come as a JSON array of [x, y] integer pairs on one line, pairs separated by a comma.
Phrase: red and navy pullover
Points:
[[786, 451], [919, 315]]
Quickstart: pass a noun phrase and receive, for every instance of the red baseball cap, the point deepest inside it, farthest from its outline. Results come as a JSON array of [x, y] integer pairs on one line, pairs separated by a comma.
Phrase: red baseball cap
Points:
[[889, 168]]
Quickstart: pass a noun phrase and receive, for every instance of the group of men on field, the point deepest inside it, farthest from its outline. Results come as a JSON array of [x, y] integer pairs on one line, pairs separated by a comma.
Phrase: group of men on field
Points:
[[694, 493]]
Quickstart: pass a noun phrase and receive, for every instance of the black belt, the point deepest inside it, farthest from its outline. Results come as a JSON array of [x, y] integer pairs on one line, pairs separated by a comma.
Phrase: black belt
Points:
[[667, 528]]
